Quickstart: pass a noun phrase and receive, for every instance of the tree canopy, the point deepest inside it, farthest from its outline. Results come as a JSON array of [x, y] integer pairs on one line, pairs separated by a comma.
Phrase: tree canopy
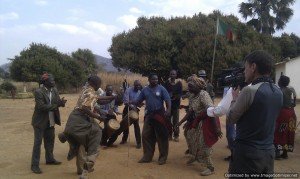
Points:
[[38, 58], [186, 44], [266, 16]]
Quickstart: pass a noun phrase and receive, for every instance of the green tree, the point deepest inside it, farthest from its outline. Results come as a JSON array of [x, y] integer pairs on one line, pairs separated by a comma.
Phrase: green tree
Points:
[[75, 74], [86, 60], [288, 46], [267, 15], [3, 74], [185, 44], [40, 58], [296, 39]]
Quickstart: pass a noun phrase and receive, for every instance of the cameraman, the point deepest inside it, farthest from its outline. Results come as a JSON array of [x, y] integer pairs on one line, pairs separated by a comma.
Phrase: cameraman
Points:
[[254, 110]]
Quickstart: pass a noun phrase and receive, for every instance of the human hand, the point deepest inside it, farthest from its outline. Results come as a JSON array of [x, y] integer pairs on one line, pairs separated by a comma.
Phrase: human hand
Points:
[[235, 93], [62, 102]]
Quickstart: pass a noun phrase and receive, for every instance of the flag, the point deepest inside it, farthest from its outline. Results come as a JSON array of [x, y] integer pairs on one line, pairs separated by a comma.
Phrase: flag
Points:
[[225, 29]]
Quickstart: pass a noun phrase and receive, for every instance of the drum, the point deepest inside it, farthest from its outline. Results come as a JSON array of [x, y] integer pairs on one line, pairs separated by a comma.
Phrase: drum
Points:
[[112, 126]]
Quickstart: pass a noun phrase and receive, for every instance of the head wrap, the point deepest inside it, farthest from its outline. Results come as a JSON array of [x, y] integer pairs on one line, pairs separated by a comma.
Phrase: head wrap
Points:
[[196, 81]]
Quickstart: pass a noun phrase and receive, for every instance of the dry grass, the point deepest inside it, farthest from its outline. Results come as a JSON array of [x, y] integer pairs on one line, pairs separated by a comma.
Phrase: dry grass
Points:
[[108, 78], [116, 79]]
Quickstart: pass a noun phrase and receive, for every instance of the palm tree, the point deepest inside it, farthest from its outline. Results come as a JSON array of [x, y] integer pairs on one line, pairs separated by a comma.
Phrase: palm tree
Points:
[[267, 15]]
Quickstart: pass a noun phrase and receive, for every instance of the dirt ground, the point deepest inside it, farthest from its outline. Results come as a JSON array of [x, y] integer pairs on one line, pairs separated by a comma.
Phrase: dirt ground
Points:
[[16, 144]]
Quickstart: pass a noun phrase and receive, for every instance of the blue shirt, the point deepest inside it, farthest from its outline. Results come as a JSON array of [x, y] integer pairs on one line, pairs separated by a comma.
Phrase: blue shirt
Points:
[[130, 95], [154, 97]]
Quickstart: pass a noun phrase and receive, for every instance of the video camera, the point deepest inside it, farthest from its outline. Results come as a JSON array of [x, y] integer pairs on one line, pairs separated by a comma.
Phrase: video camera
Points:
[[232, 77]]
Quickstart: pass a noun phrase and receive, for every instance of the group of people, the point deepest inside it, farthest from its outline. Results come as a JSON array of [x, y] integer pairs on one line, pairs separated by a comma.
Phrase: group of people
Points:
[[254, 110]]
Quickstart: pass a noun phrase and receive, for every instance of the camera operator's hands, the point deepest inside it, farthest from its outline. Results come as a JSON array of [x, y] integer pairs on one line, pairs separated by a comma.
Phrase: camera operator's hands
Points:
[[235, 93]]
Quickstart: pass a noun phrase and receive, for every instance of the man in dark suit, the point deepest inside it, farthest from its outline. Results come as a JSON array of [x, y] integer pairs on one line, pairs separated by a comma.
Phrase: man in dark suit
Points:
[[45, 116]]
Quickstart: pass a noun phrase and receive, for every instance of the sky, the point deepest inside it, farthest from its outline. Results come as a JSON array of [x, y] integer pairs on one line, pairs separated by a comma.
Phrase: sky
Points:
[[71, 24]]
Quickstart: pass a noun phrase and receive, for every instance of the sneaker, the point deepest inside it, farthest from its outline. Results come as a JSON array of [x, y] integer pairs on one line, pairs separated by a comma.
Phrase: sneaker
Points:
[[207, 172], [84, 175], [62, 137], [176, 139]]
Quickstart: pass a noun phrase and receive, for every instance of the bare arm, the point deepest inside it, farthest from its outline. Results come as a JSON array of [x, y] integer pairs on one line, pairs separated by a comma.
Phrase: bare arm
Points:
[[105, 99], [86, 110], [187, 115]]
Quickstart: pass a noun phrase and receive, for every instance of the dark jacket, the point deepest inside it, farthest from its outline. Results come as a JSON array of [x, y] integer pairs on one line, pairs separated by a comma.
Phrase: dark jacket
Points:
[[40, 118]]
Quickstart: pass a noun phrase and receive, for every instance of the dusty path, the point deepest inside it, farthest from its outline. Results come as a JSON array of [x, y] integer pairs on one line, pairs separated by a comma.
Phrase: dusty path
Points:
[[16, 143]]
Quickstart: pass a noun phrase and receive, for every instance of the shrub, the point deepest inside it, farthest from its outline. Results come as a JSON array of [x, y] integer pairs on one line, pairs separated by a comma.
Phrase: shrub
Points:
[[7, 86]]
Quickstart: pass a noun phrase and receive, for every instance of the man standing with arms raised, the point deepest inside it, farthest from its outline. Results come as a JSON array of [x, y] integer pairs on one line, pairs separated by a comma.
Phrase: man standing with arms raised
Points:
[[254, 110], [156, 127]]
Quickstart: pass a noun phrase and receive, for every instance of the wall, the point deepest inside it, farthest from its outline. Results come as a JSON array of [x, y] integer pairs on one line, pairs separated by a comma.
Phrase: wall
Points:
[[293, 71]]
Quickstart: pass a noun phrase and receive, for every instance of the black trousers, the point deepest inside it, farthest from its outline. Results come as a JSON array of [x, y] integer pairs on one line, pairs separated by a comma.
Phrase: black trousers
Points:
[[125, 129], [174, 119], [48, 136], [154, 132], [249, 160]]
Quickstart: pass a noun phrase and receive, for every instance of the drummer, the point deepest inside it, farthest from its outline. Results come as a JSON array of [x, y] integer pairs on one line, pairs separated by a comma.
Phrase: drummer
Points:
[[130, 95], [107, 111]]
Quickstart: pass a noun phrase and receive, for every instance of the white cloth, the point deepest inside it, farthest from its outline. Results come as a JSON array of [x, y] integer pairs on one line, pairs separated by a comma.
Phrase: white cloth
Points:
[[223, 107]]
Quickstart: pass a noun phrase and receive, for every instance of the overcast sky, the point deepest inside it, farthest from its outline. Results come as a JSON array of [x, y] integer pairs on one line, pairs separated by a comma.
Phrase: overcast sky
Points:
[[72, 24]]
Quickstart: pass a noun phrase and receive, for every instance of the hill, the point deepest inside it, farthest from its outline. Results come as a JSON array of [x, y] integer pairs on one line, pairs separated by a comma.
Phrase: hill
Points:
[[106, 63]]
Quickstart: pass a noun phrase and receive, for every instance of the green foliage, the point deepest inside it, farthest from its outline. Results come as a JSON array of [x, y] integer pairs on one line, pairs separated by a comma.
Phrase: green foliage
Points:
[[39, 58], [267, 15], [3, 74], [288, 46], [7, 86], [186, 44], [86, 59]]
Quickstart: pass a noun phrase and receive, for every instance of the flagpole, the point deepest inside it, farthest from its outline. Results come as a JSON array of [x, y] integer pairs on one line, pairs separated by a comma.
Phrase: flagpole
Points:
[[214, 54]]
